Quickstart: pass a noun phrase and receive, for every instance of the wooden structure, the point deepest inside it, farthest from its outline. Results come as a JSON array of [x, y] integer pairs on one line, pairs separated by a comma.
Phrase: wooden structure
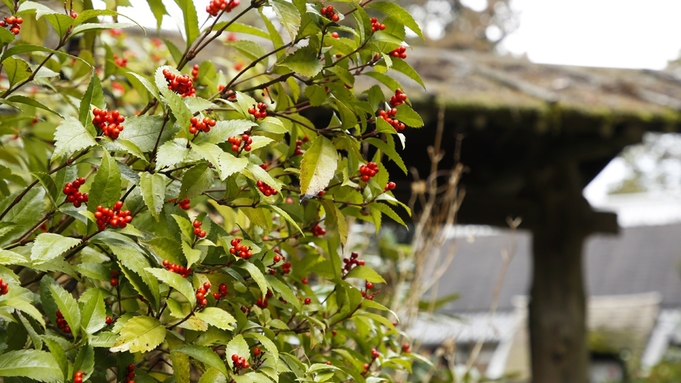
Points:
[[533, 137]]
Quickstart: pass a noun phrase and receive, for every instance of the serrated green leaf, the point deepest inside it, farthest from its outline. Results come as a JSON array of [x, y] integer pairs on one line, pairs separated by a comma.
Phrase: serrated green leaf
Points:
[[366, 273], [158, 9], [223, 130], [237, 346], [93, 317], [146, 83], [404, 67], [288, 15], [65, 302], [71, 136], [385, 209], [385, 80], [191, 20], [316, 95], [304, 61], [143, 131], [175, 281], [283, 289], [32, 364], [217, 317], [242, 28], [8, 257], [318, 166], [273, 125], [60, 22], [153, 187], [57, 351], [212, 376], [192, 255], [335, 220], [106, 188], [286, 216], [389, 151], [40, 9], [166, 248], [250, 49], [140, 334], [171, 153], [204, 355], [48, 246], [196, 180]]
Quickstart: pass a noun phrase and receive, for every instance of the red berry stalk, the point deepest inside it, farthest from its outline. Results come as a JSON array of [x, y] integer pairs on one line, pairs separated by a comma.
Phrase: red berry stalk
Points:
[[237, 142], [215, 6], [240, 250], [111, 123], [259, 110], [13, 23], [178, 269]]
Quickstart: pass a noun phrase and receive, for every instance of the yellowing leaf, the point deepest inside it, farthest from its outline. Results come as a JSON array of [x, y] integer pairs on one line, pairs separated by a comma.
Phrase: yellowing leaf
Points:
[[318, 166], [140, 334]]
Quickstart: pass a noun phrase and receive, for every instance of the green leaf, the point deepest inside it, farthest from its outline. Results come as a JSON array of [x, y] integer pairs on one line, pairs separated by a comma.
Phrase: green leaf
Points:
[[304, 61], [217, 317], [106, 188], [158, 9], [175, 281], [147, 85], [241, 28], [286, 216], [57, 351], [389, 151], [17, 70], [236, 346], [85, 361], [385, 209], [192, 255], [32, 102], [196, 180], [250, 49], [318, 166], [93, 317], [407, 115], [273, 125], [404, 67], [6, 36], [335, 220], [257, 276], [140, 334], [367, 273], [60, 22], [8, 257], [211, 376], [283, 289], [93, 96], [316, 95], [48, 246], [288, 16], [143, 131], [166, 248], [153, 187], [204, 355], [40, 9], [65, 302], [191, 20], [171, 153], [223, 130], [32, 364], [385, 79], [71, 136]]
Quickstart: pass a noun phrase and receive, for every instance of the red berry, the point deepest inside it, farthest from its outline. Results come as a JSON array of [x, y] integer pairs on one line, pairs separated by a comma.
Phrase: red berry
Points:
[[114, 282], [308, 301]]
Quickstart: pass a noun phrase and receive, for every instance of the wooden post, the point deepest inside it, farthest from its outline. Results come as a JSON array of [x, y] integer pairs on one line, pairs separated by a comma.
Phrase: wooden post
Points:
[[557, 310]]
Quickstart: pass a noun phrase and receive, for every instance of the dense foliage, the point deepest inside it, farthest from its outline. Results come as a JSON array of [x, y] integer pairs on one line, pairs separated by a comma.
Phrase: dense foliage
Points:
[[164, 217]]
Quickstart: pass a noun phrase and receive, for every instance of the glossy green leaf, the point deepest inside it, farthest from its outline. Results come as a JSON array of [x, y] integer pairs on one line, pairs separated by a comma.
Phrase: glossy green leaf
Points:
[[196, 180], [70, 137], [32, 364], [407, 115], [65, 302], [153, 187], [304, 61], [140, 334], [366, 273], [204, 355], [106, 188], [191, 20], [217, 317], [237, 346], [318, 166], [48, 246], [288, 15], [93, 317], [17, 70], [175, 281]]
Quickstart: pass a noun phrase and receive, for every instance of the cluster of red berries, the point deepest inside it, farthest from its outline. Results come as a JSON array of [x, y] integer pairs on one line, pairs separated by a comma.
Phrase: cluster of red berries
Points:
[[201, 294], [216, 6], [240, 250], [72, 193], [178, 269], [61, 323], [236, 142], [329, 13], [111, 123], [130, 378], [114, 217], [200, 125], [258, 110], [365, 294], [120, 61], [388, 117], [182, 85], [369, 170], [114, 278], [390, 186], [4, 287], [230, 94], [400, 52], [299, 143], [197, 229], [78, 377], [318, 231], [184, 204], [195, 72], [406, 348], [352, 262], [221, 293], [398, 98], [13, 22], [286, 267], [240, 361], [376, 26], [266, 189], [374, 353]]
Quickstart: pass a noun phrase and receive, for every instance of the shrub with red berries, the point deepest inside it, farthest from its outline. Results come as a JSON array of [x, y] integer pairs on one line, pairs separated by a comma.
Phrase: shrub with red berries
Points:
[[112, 217], [215, 6], [72, 194], [241, 251], [398, 98], [200, 125], [182, 85], [266, 189], [110, 123], [259, 110], [13, 23], [329, 13], [367, 171]]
